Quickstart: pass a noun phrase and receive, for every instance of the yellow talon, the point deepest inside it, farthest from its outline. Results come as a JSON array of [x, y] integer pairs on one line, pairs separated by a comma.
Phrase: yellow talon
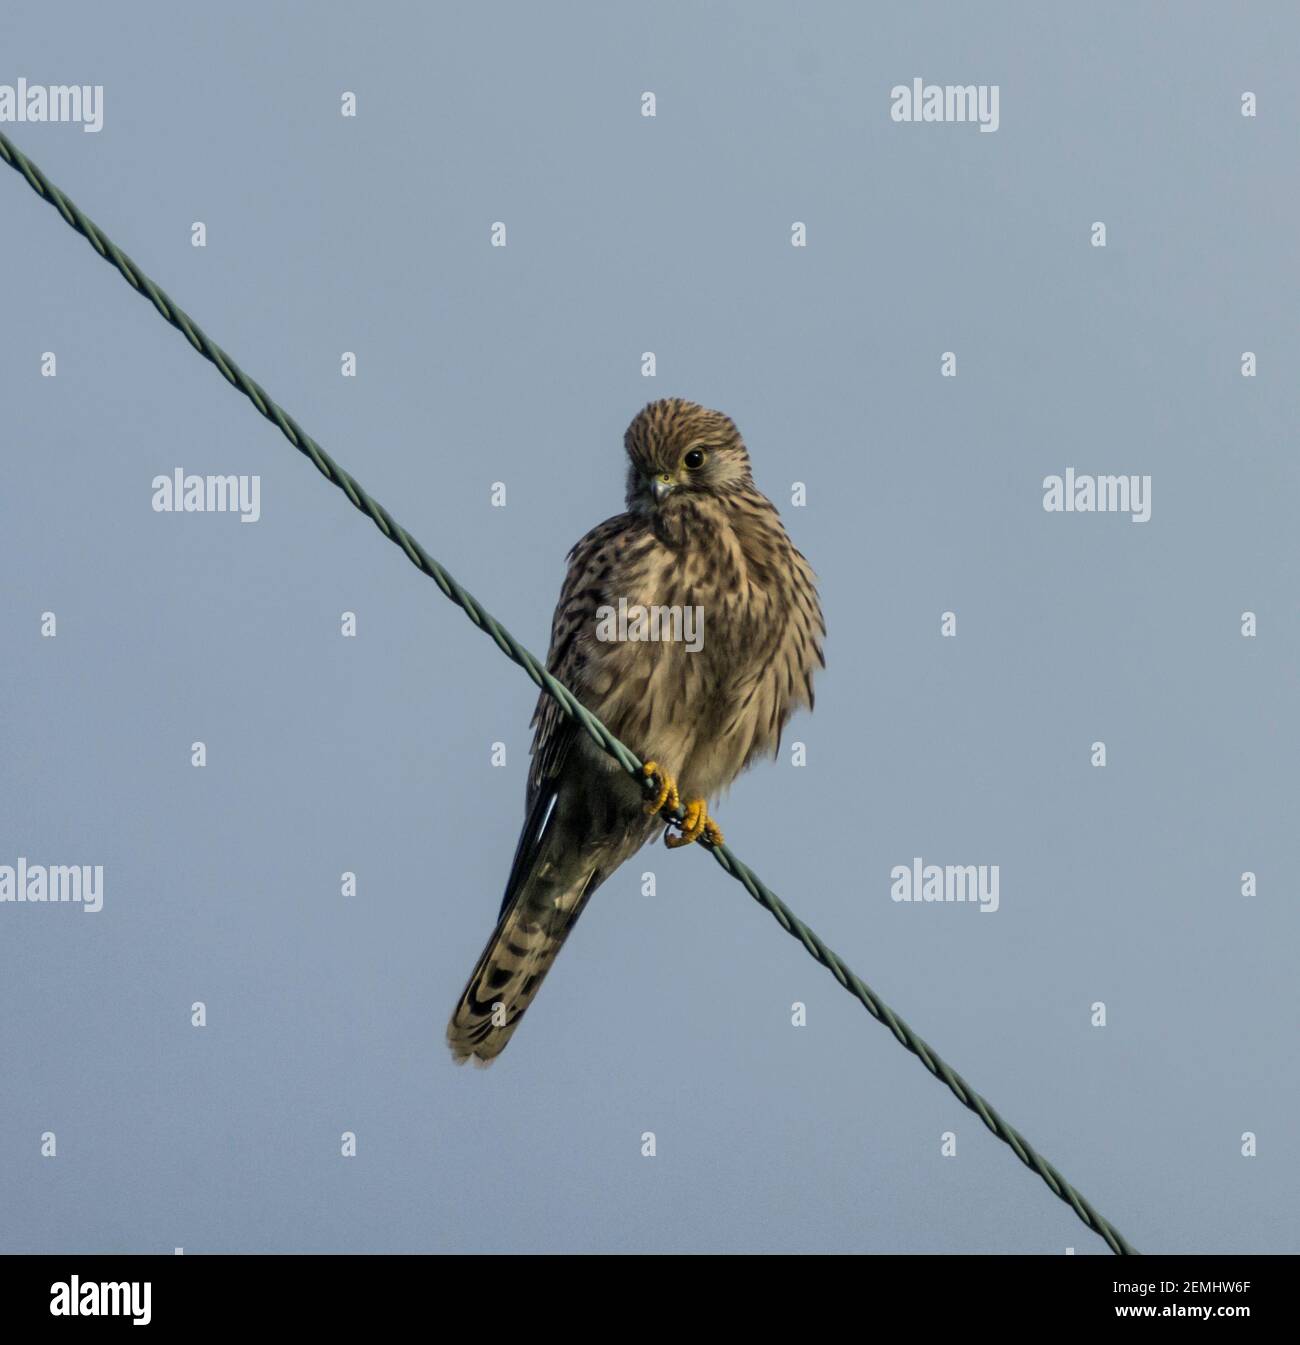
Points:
[[690, 824], [667, 790], [695, 825]]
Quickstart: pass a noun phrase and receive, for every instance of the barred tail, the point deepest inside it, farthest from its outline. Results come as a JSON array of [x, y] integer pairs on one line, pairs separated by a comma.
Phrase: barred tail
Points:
[[525, 943]]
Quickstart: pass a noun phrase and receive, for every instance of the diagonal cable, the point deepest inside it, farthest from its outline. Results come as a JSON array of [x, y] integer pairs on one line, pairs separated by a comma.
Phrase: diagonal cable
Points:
[[513, 650]]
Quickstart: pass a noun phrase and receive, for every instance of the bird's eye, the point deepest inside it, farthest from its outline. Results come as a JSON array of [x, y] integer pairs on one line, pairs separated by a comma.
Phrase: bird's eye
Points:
[[694, 459]]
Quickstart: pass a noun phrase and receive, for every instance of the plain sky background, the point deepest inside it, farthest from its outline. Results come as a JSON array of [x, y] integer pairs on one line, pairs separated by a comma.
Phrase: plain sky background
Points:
[[670, 1013]]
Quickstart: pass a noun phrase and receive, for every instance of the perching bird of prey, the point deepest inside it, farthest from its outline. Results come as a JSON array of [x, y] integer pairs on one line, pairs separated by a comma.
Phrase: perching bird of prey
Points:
[[698, 536]]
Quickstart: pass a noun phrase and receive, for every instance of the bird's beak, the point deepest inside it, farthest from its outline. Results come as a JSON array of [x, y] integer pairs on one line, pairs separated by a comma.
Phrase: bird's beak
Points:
[[661, 486]]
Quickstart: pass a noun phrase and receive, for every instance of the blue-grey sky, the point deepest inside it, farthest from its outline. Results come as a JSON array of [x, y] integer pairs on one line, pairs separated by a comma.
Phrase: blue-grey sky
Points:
[[523, 364]]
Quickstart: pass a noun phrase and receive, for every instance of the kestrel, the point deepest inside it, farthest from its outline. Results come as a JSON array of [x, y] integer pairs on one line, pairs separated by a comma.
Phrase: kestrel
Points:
[[698, 538]]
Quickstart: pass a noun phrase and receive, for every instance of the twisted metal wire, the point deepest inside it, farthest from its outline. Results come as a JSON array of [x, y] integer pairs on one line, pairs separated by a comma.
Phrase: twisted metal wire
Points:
[[416, 554]]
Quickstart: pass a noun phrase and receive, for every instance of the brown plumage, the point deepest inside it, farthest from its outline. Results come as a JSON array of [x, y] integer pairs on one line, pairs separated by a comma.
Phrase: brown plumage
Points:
[[696, 533]]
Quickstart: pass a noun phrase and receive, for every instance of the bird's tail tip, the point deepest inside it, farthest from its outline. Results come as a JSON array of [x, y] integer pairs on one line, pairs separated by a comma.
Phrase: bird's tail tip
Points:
[[466, 1055], [471, 1040]]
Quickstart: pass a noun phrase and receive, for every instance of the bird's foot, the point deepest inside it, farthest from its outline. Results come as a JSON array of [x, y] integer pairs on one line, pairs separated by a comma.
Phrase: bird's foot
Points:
[[667, 795], [695, 825]]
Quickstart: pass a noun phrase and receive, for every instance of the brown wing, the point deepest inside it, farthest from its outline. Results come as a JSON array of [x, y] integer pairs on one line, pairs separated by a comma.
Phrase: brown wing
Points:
[[554, 732], [583, 592], [556, 865]]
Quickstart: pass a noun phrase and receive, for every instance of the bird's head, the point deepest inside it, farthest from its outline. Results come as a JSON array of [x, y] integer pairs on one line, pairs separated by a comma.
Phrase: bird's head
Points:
[[677, 449]]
